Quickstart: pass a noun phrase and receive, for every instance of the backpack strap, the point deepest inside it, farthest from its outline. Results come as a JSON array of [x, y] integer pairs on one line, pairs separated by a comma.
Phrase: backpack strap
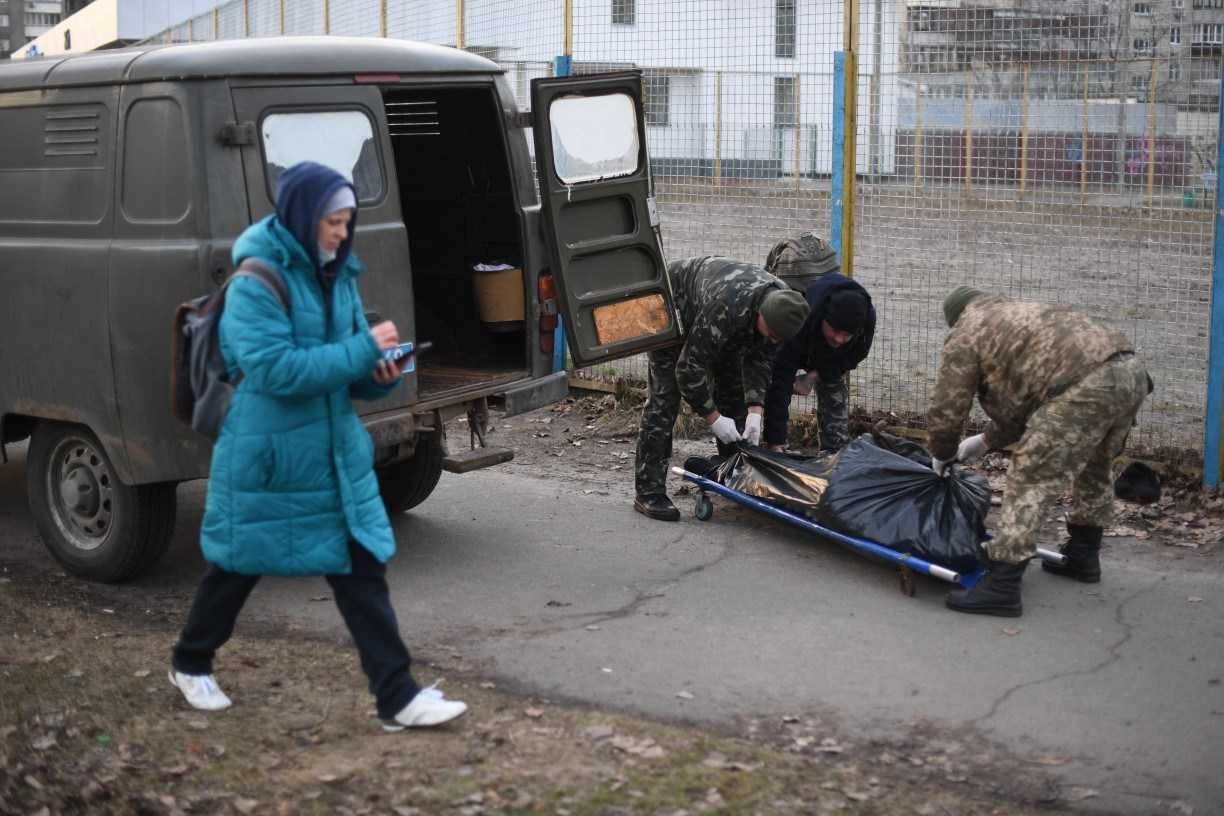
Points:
[[255, 268]]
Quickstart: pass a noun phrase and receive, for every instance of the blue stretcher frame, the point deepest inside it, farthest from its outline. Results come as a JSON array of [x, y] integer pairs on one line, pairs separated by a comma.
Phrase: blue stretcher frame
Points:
[[907, 563]]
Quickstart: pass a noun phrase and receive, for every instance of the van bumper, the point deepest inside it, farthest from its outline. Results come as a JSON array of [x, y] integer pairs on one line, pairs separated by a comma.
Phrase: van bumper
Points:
[[394, 427], [538, 393]]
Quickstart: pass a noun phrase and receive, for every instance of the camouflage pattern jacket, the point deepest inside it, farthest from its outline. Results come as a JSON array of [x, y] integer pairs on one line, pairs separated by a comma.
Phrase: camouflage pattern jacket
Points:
[[718, 300], [1015, 356]]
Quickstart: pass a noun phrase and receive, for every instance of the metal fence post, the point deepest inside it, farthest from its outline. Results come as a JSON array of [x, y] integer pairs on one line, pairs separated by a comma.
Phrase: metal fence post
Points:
[[382, 18], [562, 64], [326, 16], [460, 24], [1213, 453], [845, 129]]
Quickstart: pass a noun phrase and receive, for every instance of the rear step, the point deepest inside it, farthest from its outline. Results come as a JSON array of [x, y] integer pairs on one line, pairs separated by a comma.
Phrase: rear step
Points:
[[475, 459]]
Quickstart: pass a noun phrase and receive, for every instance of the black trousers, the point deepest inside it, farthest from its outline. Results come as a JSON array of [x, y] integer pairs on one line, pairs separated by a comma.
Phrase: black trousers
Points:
[[364, 602]]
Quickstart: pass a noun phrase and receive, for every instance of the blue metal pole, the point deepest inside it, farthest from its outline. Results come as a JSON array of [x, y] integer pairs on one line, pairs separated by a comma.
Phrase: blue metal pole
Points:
[[1212, 450], [839, 151], [561, 68], [854, 542]]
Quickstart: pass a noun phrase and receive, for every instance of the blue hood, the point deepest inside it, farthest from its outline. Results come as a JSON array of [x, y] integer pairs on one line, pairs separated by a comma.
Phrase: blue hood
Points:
[[301, 194]]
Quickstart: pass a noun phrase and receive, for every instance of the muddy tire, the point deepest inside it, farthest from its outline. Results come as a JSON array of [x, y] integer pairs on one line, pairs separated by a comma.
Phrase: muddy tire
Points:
[[95, 526], [407, 483]]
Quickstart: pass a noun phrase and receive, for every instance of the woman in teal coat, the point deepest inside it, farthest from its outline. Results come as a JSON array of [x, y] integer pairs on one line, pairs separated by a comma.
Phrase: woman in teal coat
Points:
[[292, 489]]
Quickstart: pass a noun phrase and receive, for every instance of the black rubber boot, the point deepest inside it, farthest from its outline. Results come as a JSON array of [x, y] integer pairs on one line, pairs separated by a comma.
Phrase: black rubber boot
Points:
[[656, 506], [1083, 552], [996, 594]]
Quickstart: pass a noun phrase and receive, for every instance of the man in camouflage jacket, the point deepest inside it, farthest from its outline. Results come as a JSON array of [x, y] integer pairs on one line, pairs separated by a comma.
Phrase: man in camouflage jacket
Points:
[[733, 314], [1062, 386]]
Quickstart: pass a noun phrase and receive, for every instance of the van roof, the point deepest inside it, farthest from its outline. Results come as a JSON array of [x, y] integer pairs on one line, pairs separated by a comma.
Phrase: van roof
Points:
[[265, 56]]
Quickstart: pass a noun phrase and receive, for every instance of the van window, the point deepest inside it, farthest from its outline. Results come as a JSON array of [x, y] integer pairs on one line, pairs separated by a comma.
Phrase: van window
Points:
[[594, 137], [342, 140], [40, 143], [156, 169]]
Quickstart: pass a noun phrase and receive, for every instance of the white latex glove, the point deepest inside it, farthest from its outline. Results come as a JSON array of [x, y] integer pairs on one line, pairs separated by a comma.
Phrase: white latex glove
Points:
[[724, 430], [752, 428], [941, 466], [971, 448]]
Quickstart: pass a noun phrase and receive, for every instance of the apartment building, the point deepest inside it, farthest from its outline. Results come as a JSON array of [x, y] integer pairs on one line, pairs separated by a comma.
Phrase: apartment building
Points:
[[22, 21], [1069, 48]]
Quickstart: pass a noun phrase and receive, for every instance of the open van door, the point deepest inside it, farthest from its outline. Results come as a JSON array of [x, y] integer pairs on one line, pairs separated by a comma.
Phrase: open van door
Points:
[[595, 185]]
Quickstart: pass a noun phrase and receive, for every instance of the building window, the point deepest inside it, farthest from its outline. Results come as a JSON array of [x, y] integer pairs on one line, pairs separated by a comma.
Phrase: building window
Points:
[[623, 12], [1138, 84], [1178, 5], [786, 107], [1209, 33], [656, 98], [1142, 9], [1175, 71], [4, 48], [4, 21], [1207, 4], [785, 22], [1175, 35], [1141, 45]]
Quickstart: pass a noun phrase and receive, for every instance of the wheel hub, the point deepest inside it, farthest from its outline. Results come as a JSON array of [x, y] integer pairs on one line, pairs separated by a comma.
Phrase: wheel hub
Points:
[[82, 492]]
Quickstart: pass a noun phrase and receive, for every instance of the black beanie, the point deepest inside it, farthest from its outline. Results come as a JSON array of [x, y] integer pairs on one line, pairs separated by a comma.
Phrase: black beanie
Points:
[[847, 310]]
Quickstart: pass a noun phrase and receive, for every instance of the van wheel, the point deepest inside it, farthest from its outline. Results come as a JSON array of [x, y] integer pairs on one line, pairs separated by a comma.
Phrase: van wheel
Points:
[[407, 483], [95, 526]]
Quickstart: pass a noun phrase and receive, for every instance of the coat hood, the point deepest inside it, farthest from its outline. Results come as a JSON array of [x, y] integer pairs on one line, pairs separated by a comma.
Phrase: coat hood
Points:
[[302, 192]]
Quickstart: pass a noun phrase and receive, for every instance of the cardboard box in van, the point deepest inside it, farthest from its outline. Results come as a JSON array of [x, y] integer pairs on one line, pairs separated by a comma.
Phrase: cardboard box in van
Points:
[[127, 175]]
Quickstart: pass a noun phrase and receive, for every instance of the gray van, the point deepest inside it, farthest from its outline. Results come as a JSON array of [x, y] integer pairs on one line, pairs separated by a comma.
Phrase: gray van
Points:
[[126, 175]]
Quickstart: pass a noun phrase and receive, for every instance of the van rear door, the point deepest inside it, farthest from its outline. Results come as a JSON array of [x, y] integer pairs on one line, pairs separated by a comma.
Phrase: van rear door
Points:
[[595, 185]]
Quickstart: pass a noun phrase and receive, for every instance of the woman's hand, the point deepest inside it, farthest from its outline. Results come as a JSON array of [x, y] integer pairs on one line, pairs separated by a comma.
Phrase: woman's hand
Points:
[[385, 334], [388, 371]]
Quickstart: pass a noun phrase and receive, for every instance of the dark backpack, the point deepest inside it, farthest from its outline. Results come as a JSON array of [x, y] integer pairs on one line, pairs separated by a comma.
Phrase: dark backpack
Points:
[[200, 385]]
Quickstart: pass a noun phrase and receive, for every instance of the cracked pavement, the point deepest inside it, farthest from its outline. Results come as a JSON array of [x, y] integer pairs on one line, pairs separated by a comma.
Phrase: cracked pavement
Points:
[[522, 576]]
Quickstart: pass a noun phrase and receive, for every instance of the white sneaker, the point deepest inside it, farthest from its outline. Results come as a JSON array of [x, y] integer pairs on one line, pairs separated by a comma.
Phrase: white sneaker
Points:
[[428, 707], [200, 690]]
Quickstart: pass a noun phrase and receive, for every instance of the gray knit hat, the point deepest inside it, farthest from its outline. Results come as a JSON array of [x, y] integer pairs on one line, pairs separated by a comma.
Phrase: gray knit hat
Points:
[[800, 259], [957, 300], [784, 311]]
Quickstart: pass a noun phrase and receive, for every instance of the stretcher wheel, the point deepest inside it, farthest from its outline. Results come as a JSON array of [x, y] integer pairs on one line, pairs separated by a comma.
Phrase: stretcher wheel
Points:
[[703, 509], [906, 576]]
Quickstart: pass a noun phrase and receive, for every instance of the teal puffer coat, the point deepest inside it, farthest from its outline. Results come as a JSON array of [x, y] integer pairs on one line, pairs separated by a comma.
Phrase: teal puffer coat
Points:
[[292, 479]]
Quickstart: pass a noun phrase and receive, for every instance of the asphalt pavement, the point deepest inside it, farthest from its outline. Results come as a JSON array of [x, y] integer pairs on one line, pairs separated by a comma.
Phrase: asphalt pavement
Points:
[[554, 589]]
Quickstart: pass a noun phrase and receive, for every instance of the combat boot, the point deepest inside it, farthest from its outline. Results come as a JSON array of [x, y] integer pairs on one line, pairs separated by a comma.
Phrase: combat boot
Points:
[[996, 594], [1083, 554]]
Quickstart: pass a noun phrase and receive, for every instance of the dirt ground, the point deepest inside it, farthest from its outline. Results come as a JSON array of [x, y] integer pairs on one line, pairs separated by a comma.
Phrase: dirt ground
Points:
[[89, 723]]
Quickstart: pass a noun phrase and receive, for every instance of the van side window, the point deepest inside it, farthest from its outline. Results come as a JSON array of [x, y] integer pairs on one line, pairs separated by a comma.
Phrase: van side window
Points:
[[342, 140], [39, 143], [156, 167]]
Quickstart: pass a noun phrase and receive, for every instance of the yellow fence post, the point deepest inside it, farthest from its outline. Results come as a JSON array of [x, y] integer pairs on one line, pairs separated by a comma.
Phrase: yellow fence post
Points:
[[919, 141], [969, 134], [382, 18], [1084, 142], [282, 17], [217, 23], [718, 79], [850, 36], [326, 16], [1151, 135], [798, 150], [459, 24], [1024, 127], [246, 18]]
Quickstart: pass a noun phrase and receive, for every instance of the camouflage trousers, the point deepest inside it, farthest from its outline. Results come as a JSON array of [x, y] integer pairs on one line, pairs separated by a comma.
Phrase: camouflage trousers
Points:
[[833, 413], [654, 447], [1074, 438]]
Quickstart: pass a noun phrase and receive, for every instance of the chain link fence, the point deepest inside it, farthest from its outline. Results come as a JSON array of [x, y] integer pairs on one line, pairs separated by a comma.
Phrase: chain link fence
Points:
[[1058, 151]]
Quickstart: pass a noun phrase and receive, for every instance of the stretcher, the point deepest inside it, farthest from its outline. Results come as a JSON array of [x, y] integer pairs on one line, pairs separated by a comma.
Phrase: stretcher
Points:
[[907, 565]]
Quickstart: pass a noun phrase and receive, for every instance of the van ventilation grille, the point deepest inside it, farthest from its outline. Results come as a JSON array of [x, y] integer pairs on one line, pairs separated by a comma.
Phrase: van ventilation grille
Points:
[[413, 118], [70, 133]]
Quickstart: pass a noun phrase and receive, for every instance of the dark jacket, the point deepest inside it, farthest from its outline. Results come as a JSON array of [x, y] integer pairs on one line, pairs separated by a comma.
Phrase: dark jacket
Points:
[[809, 351]]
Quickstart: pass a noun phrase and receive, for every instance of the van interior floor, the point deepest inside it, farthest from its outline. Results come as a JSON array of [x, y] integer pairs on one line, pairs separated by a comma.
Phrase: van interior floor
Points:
[[439, 379]]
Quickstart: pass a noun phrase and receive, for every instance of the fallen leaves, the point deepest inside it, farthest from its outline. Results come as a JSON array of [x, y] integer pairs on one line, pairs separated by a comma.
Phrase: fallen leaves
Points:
[[644, 747]]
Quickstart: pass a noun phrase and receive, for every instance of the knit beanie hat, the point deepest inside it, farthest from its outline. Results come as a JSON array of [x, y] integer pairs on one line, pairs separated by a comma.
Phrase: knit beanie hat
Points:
[[956, 301], [784, 311], [847, 310], [800, 258]]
